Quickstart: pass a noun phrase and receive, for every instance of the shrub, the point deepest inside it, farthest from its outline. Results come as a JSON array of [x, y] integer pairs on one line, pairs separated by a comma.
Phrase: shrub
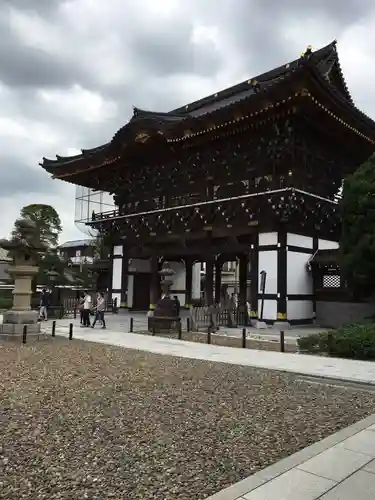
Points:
[[6, 302], [353, 341]]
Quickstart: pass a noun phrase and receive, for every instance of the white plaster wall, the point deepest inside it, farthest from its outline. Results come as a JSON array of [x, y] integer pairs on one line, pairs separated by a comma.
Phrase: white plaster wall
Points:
[[179, 278], [181, 298], [118, 297], [117, 250], [139, 265], [268, 263], [327, 245], [269, 309], [116, 274], [299, 280], [297, 240], [196, 281], [130, 290], [299, 309], [267, 238]]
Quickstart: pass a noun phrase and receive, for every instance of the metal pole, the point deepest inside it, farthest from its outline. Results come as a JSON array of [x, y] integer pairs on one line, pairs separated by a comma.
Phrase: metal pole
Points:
[[24, 334], [209, 335], [282, 341], [179, 330], [188, 324], [53, 328], [131, 327], [244, 338], [70, 331]]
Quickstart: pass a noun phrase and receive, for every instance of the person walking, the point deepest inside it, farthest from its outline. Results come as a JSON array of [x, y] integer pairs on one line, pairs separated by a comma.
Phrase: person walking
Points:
[[44, 303], [100, 309], [81, 301], [86, 309]]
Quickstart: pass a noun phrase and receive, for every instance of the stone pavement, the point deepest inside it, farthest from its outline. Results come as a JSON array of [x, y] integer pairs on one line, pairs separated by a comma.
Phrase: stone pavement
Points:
[[340, 467], [317, 366]]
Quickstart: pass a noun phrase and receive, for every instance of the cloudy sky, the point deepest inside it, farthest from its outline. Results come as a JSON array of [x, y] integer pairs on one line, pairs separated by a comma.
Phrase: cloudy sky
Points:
[[71, 70]]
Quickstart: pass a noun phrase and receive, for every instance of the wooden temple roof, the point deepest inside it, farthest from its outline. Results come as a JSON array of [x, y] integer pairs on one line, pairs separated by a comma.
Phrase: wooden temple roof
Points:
[[325, 257], [184, 122]]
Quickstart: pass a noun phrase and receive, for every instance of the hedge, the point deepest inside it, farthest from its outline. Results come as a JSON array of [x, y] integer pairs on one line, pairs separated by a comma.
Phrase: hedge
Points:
[[353, 341], [6, 302]]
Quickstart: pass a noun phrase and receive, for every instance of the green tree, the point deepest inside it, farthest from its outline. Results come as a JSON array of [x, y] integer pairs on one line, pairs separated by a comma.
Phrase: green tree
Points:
[[47, 221], [357, 245]]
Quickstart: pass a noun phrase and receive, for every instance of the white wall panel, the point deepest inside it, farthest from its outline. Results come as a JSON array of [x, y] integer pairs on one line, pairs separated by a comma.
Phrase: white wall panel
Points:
[[268, 238], [196, 281], [299, 309], [117, 296], [116, 274], [179, 278], [269, 309], [327, 245], [117, 250], [268, 263], [299, 280], [297, 240]]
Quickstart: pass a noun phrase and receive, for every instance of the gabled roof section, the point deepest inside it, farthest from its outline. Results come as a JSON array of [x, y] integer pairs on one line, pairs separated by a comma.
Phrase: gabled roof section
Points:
[[324, 59], [49, 164], [323, 64], [78, 243]]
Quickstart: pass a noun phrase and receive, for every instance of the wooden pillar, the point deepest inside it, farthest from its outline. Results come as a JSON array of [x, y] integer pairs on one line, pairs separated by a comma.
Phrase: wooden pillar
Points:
[[189, 281], [254, 277], [282, 276], [218, 269], [124, 277], [209, 282], [314, 277], [155, 282], [243, 266], [110, 275]]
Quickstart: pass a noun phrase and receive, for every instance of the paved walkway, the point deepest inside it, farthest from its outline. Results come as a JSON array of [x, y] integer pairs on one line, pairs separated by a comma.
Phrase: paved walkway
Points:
[[332, 368], [340, 467]]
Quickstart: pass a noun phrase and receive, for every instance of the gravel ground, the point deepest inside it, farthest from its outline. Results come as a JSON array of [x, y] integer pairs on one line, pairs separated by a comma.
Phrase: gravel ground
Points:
[[80, 420]]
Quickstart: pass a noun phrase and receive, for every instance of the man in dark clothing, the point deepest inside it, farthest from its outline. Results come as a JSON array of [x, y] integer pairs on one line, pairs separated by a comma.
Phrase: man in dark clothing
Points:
[[44, 303]]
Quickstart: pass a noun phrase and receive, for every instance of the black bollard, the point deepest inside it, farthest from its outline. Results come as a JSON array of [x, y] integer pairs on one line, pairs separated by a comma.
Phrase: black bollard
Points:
[[53, 328], [179, 331], [329, 343], [209, 335], [75, 313], [70, 331], [131, 327], [282, 341], [188, 324], [153, 329], [24, 334], [244, 338]]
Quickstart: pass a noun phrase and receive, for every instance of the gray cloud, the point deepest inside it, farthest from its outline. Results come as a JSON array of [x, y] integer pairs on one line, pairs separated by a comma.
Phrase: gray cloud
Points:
[[70, 75], [42, 7]]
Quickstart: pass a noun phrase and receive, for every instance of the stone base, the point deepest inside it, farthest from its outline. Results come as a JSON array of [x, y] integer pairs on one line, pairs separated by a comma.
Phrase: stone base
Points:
[[17, 329], [14, 321], [20, 317], [281, 325], [261, 325]]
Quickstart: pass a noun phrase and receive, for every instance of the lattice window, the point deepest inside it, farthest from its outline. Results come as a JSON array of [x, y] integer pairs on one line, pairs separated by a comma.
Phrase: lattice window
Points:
[[331, 281]]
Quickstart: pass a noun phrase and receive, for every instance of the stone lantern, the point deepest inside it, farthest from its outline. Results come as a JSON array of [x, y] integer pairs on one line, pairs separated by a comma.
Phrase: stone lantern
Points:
[[24, 250], [166, 274]]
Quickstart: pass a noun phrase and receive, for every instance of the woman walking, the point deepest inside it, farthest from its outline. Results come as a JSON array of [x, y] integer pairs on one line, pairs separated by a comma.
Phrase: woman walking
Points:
[[100, 308]]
